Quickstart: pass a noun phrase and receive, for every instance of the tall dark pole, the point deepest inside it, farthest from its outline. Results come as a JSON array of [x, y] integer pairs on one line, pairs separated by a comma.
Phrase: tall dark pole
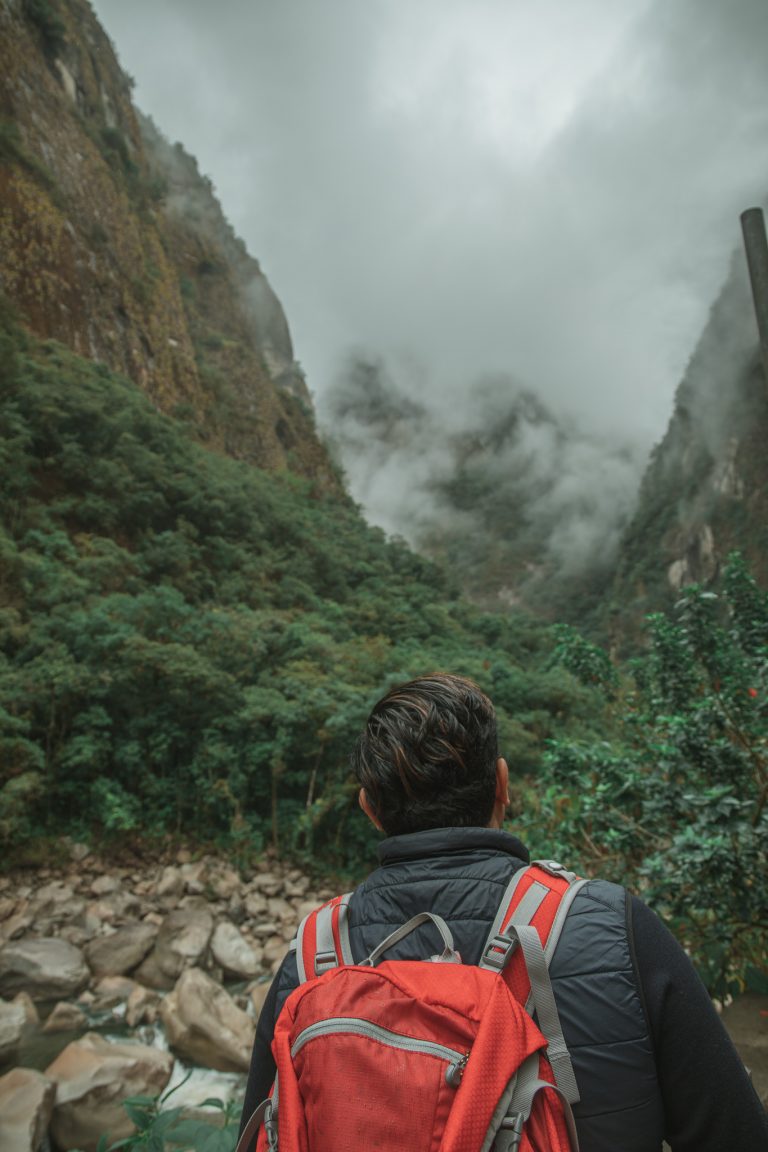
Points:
[[756, 246]]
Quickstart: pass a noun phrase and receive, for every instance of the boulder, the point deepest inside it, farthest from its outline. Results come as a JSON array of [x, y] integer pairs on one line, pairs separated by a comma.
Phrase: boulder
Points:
[[225, 883], [19, 923], [255, 905], [203, 1024], [280, 909], [258, 994], [142, 1006], [195, 877], [111, 991], [274, 950], [122, 951], [46, 968], [31, 1015], [102, 885], [269, 883], [26, 1103], [65, 1018], [230, 950], [171, 882], [13, 1021], [181, 942], [93, 1077]]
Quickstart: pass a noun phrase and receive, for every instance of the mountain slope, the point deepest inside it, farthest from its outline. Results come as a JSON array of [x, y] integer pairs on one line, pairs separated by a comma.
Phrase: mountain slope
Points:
[[112, 243], [705, 491]]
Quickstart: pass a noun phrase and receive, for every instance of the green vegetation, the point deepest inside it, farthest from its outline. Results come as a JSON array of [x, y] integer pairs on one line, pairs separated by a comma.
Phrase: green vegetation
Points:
[[159, 1127], [189, 645], [677, 805], [45, 18]]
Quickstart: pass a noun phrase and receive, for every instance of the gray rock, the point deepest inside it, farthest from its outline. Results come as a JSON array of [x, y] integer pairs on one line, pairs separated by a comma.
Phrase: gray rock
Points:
[[274, 950], [121, 952], [65, 1017], [7, 907], [181, 943], [255, 905], [26, 1104], [171, 882], [258, 994], [225, 883], [13, 1021], [231, 951], [111, 991], [142, 1007], [93, 1077], [103, 885], [279, 909], [27, 1004], [203, 1023], [47, 969]]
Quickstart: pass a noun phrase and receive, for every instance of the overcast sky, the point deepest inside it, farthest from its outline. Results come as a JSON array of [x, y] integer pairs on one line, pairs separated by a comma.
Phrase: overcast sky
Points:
[[547, 188]]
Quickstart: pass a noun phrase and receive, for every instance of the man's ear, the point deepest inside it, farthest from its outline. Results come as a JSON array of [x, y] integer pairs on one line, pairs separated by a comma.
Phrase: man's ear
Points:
[[501, 796], [365, 804], [502, 782]]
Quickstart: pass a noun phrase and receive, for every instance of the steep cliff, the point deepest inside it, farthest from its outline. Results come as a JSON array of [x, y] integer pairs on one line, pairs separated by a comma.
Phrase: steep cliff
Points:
[[112, 243], [705, 491]]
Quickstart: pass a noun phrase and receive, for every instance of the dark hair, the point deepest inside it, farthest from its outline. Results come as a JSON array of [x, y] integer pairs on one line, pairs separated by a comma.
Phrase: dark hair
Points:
[[427, 757]]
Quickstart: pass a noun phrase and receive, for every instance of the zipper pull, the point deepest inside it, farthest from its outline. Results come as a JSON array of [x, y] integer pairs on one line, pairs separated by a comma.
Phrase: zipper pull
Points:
[[455, 1071]]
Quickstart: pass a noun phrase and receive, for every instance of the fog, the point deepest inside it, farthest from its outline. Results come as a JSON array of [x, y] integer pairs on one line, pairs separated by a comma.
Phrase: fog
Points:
[[460, 190]]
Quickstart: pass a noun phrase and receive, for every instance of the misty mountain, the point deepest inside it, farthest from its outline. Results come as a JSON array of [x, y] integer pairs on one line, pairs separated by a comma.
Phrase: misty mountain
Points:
[[705, 490], [525, 507]]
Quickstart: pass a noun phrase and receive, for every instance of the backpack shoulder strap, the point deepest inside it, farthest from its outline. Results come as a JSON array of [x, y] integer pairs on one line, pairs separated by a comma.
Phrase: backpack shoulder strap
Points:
[[530, 919], [540, 895], [322, 941]]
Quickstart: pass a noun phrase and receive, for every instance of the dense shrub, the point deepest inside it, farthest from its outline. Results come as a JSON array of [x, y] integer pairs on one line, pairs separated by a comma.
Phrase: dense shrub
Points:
[[188, 644], [677, 804]]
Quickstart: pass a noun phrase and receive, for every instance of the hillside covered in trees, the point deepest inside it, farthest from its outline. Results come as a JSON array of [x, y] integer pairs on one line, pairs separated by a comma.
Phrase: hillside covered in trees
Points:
[[195, 617], [189, 644]]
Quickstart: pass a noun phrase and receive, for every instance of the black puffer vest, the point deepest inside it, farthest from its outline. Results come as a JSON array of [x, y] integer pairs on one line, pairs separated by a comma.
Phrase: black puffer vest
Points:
[[461, 873]]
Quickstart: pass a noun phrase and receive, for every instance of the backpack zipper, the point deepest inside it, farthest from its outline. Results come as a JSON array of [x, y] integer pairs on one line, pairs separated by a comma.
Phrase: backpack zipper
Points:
[[456, 1060]]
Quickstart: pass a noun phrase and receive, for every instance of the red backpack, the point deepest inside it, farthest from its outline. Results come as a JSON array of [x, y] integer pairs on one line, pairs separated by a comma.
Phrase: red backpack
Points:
[[413, 1056]]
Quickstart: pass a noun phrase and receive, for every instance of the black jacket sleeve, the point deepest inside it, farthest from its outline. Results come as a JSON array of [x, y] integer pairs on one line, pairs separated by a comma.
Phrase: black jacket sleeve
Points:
[[709, 1102]]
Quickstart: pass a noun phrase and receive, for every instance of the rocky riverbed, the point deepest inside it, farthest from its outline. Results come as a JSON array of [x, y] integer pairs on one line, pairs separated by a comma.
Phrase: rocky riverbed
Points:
[[114, 980], [119, 981]]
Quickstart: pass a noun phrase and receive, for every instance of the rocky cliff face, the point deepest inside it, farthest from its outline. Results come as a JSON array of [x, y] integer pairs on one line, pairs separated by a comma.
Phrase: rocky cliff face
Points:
[[705, 491], [112, 243]]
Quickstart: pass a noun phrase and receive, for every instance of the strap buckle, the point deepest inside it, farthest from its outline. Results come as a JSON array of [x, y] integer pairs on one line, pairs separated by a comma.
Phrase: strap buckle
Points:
[[270, 1127], [324, 961], [510, 1133], [498, 952]]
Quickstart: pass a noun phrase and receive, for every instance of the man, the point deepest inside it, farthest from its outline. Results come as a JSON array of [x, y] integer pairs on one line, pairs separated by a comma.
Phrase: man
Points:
[[651, 1057]]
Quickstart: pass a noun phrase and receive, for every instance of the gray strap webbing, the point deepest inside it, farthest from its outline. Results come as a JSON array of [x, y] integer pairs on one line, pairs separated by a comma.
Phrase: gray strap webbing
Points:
[[325, 948], [248, 1135], [346, 949], [325, 945], [556, 930], [506, 900], [555, 869], [405, 929], [527, 1086], [300, 950], [500, 1111], [530, 903], [546, 1009]]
